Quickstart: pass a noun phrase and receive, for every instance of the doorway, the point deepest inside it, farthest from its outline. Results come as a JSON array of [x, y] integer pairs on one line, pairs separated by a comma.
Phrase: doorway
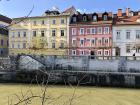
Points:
[[92, 54], [117, 51]]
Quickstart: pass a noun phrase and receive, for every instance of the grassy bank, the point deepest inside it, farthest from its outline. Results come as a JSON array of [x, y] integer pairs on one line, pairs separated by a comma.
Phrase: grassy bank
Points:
[[58, 95]]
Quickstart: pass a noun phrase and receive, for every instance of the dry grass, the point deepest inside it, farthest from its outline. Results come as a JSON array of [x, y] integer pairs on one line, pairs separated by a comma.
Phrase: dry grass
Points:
[[84, 95]]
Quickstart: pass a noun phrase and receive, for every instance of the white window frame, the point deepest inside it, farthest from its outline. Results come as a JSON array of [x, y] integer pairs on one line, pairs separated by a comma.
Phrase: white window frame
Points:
[[80, 42], [94, 18], [81, 52], [93, 32], [128, 36], [118, 36], [53, 32], [137, 34], [73, 31], [81, 31], [61, 21], [73, 40], [99, 28], [107, 52], [106, 30], [53, 23], [73, 52], [100, 52], [84, 18], [74, 19]]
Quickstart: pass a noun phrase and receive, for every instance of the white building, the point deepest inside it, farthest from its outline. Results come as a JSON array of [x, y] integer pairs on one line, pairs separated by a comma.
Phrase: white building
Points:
[[126, 33]]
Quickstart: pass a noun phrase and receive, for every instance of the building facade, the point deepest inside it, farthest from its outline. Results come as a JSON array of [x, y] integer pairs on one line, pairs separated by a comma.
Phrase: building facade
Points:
[[4, 22], [41, 35], [126, 33], [91, 34]]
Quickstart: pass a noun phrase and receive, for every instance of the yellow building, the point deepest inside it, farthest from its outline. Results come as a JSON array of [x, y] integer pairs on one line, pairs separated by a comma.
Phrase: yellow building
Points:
[[4, 22], [41, 35]]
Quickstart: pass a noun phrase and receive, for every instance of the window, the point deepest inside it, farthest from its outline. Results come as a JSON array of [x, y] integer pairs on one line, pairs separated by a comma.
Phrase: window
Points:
[[73, 52], [18, 34], [42, 33], [81, 42], [127, 35], [13, 34], [53, 45], [106, 41], [106, 53], [99, 53], [62, 33], [74, 41], [24, 34], [93, 31], [62, 21], [138, 34], [127, 48], [137, 50], [53, 21], [1, 52], [100, 41], [93, 41], [12, 45], [118, 35], [73, 31], [43, 22], [74, 19], [82, 52], [99, 30], [53, 32], [62, 45], [84, 18], [34, 23], [105, 17], [94, 18], [7, 43], [24, 45], [34, 33], [2, 42], [18, 45], [106, 30], [81, 31]]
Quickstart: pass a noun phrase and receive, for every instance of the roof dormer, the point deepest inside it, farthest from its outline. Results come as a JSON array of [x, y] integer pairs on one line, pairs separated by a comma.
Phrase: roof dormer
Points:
[[74, 18], [131, 13], [84, 17], [95, 17], [105, 16]]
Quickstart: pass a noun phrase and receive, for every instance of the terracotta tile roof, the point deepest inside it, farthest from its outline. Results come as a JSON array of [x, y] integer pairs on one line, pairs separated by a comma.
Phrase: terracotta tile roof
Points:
[[125, 20], [5, 19]]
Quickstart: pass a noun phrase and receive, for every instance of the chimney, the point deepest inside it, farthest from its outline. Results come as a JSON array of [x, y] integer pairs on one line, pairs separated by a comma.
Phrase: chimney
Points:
[[127, 11], [119, 14]]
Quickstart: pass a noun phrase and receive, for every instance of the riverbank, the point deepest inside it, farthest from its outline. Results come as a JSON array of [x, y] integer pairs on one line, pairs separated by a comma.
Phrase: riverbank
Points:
[[83, 95]]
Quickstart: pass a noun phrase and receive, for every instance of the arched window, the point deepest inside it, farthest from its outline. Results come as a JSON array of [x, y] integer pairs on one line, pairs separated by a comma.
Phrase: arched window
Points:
[[105, 17], [94, 18], [84, 18]]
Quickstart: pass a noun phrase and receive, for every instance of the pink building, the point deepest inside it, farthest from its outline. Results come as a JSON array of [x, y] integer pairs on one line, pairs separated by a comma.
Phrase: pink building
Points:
[[91, 34]]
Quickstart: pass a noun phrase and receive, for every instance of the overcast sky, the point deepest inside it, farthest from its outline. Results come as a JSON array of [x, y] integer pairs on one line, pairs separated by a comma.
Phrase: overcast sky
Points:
[[20, 8]]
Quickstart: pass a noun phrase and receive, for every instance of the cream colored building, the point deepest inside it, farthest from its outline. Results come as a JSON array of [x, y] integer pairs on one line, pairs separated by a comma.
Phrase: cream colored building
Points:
[[41, 35], [4, 22]]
